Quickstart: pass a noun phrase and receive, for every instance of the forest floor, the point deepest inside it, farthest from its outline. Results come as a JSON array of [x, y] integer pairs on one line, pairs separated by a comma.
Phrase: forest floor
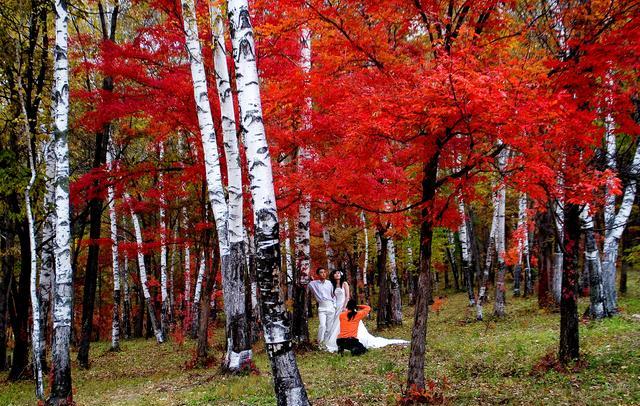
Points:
[[490, 362]]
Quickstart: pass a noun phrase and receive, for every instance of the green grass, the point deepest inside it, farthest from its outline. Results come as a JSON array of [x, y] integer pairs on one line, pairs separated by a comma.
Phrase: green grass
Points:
[[486, 362]]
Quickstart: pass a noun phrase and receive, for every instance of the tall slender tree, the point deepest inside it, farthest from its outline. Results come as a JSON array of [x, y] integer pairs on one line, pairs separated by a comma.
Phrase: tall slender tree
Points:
[[61, 393], [288, 384]]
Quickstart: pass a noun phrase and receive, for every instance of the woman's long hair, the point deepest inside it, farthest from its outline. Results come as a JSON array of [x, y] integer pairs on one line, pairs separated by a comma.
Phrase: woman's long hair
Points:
[[352, 307], [343, 279]]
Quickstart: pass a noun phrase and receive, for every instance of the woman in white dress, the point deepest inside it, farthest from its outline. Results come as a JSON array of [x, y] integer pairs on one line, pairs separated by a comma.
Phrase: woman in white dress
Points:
[[341, 293]]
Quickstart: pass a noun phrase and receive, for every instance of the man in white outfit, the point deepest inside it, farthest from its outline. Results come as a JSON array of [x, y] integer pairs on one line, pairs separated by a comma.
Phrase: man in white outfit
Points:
[[322, 290]]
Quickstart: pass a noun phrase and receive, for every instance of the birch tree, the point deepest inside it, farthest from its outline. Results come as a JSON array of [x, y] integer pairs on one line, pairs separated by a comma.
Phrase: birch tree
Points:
[[238, 353], [501, 289], [615, 223], [394, 285], [47, 257], [164, 293], [113, 225], [465, 247], [63, 294], [33, 286], [303, 228], [288, 384], [594, 266], [238, 344], [157, 331]]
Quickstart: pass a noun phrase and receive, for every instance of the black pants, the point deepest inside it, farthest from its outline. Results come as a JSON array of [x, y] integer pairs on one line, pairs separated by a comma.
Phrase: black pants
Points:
[[352, 344]]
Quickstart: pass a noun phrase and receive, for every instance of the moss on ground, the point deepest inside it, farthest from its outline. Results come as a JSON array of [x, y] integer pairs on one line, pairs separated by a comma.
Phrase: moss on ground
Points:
[[488, 362]]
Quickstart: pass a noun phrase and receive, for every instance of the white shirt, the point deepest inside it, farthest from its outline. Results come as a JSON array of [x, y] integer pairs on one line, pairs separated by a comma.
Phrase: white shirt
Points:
[[322, 290]]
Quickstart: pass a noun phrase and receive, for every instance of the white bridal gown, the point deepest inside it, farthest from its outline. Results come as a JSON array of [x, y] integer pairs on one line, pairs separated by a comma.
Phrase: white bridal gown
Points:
[[368, 340]]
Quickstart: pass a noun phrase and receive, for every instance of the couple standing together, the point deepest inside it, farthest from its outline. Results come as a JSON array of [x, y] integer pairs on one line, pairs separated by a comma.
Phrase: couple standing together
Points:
[[341, 325]]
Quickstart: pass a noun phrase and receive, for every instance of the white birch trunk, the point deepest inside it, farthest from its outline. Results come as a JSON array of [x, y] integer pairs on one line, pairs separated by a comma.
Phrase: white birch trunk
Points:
[[115, 322], [164, 292], [558, 256], [484, 279], [326, 237], [33, 286], [143, 271], [366, 252], [394, 285], [229, 229], [195, 304], [523, 249], [47, 258], [239, 353], [594, 266], [288, 260], [465, 249], [501, 289], [63, 294], [126, 311], [302, 240], [288, 384], [187, 268], [613, 234]]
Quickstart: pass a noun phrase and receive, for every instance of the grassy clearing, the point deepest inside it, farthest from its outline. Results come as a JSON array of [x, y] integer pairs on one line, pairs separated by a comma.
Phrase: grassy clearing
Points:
[[485, 363]]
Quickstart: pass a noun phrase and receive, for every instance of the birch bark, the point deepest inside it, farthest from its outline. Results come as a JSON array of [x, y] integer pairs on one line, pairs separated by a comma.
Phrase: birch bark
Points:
[[33, 286], [63, 295], [594, 266], [467, 252], [499, 308], [47, 257], [143, 272], [615, 225], [239, 353], [288, 384], [164, 293], [113, 225], [394, 286], [300, 325]]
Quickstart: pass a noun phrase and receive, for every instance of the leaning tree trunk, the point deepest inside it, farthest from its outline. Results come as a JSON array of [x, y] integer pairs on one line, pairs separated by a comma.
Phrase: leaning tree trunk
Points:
[[195, 306], [451, 256], [35, 305], [615, 225], [288, 384], [394, 286], [143, 272], [569, 323], [594, 266], [300, 325], [415, 373], [288, 262], [113, 224], [61, 393], [238, 355]]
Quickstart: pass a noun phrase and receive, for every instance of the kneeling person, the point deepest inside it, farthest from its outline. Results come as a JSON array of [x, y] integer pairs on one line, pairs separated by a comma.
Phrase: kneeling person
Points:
[[349, 320]]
